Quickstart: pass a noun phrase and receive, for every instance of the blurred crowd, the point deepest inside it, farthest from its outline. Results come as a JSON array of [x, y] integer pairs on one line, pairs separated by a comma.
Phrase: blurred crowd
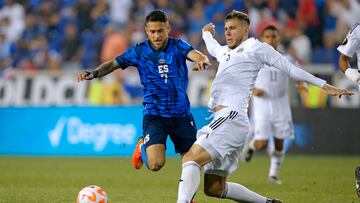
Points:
[[80, 34]]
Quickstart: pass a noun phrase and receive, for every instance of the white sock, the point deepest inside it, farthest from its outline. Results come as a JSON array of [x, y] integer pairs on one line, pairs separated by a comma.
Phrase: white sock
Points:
[[237, 192], [189, 181], [252, 144], [277, 158]]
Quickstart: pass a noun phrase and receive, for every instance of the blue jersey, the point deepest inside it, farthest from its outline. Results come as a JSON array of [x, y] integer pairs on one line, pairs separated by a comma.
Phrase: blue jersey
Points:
[[163, 74]]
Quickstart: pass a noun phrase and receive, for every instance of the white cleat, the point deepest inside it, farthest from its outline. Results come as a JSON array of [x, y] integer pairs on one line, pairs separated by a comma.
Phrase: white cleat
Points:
[[274, 180]]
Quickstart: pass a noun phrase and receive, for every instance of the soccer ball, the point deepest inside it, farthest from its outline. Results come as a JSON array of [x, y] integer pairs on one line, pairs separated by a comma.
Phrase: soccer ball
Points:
[[92, 194]]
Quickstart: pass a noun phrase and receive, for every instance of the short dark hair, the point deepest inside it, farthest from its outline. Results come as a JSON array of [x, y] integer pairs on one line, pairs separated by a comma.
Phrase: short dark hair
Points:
[[269, 27], [238, 15], [157, 16]]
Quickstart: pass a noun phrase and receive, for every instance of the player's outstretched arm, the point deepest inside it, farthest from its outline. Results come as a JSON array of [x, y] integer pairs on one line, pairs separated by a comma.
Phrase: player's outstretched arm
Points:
[[302, 75], [333, 91], [352, 74], [201, 60], [102, 70]]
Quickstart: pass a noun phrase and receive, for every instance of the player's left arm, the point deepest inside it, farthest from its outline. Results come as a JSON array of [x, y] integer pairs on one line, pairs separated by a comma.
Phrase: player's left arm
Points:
[[266, 54], [299, 74], [201, 60]]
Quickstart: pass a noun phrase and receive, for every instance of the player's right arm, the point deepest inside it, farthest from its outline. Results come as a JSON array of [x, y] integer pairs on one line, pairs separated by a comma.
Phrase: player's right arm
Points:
[[102, 70], [212, 45]]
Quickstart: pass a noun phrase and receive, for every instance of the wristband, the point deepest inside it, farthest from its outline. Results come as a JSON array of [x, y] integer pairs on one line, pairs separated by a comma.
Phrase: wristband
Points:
[[95, 73], [353, 75]]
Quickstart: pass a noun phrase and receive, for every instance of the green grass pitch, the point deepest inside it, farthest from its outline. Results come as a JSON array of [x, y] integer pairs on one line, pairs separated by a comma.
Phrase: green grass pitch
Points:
[[307, 179]]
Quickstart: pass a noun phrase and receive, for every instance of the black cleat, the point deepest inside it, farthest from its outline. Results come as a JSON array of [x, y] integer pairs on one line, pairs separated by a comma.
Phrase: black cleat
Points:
[[357, 180], [273, 201], [248, 155]]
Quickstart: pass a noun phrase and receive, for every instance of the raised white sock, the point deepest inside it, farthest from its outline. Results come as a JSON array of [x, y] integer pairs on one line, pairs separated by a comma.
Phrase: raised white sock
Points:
[[237, 192], [189, 181], [276, 160]]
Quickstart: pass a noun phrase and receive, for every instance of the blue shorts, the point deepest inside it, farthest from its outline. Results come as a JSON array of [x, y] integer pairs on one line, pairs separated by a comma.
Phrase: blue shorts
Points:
[[182, 131]]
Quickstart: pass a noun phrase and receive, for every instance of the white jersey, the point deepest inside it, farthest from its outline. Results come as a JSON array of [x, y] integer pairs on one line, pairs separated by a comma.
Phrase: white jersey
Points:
[[351, 43], [239, 67], [274, 104]]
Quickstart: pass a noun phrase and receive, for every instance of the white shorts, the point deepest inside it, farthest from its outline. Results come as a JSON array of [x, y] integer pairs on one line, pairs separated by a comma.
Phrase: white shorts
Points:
[[263, 129], [224, 139]]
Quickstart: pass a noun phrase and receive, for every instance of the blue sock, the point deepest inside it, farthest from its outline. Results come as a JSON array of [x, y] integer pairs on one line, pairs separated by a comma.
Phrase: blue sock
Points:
[[143, 155]]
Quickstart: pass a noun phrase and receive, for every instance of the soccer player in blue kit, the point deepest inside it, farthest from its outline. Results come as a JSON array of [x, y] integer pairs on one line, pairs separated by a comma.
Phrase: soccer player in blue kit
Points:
[[161, 63]]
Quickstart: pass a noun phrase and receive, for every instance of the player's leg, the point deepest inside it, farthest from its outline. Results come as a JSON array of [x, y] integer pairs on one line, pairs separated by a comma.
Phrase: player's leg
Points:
[[357, 179], [276, 160], [183, 134], [155, 156], [260, 139], [281, 130], [215, 184], [199, 154], [151, 149], [193, 160], [182, 131]]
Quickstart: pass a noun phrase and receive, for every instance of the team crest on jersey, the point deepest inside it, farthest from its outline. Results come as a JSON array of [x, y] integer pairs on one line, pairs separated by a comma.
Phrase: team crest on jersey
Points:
[[162, 61], [241, 49], [345, 41]]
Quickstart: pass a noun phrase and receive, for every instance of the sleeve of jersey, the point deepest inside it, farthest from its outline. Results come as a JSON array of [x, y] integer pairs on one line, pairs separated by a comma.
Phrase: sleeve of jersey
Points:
[[265, 53], [129, 58], [270, 56], [212, 45], [297, 73], [184, 47], [349, 46]]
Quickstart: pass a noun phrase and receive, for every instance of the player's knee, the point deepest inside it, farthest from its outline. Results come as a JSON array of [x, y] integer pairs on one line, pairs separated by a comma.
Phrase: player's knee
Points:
[[261, 144], [213, 191], [155, 165]]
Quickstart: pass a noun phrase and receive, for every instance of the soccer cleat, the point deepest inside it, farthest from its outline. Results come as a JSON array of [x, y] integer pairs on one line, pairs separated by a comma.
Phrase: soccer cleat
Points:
[[274, 180], [247, 154], [273, 201], [357, 179], [192, 201], [136, 157]]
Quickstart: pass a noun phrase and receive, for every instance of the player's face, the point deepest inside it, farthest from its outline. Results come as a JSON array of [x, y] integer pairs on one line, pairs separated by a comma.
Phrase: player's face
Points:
[[157, 33], [236, 32], [271, 37]]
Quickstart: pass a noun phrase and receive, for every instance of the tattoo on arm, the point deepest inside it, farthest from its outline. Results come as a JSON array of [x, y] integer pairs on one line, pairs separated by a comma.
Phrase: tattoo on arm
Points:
[[107, 67]]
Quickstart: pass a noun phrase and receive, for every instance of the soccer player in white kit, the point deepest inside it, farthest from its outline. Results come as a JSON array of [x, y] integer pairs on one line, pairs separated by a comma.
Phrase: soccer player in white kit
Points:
[[271, 108], [348, 48], [219, 144]]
